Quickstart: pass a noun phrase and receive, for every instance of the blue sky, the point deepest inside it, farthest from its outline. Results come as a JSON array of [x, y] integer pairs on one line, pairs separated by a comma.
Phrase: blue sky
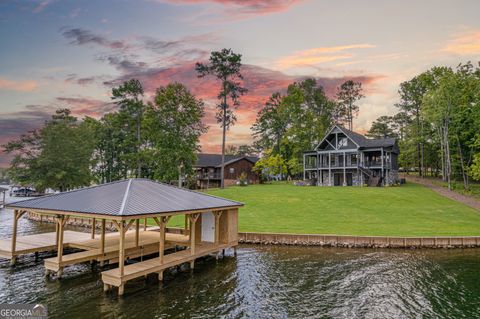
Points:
[[70, 53]]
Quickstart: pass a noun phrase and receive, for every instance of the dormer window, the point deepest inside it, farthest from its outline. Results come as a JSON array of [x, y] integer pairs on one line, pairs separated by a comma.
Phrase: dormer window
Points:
[[342, 142]]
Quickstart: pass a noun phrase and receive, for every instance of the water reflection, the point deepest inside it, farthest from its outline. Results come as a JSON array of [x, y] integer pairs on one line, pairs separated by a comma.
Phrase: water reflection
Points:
[[263, 282]]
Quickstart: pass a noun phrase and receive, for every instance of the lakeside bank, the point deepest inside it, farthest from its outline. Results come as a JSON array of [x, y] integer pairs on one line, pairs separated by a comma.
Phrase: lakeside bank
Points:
[[327, 240]]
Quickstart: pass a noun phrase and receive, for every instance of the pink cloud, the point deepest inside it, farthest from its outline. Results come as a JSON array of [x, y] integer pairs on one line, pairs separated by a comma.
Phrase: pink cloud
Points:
[[20, 86], [42, 5], [243, 7]]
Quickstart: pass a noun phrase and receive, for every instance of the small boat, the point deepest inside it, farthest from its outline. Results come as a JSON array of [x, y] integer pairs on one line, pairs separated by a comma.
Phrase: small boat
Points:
[[21, 191]]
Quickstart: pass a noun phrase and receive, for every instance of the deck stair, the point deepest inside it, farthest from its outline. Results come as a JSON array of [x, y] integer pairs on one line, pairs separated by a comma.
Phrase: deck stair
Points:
[[372, 179]]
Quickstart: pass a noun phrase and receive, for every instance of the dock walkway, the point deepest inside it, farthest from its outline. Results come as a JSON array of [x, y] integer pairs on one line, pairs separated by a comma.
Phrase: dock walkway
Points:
[[113, 277], [38, 243]]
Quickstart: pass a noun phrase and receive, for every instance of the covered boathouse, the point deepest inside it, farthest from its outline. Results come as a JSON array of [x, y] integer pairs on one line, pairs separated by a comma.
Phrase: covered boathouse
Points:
[[211, 225]]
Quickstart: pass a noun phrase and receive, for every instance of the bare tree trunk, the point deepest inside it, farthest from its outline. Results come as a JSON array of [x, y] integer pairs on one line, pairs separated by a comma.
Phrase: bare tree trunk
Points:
[[448, 161], [350, 115], [139, 168], [222, 170], [180, 175], [442, 153], [464, 173]]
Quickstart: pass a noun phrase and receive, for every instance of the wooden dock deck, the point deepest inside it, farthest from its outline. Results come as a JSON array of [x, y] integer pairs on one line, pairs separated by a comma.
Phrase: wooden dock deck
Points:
[[113, 277], [38, 243], [43, 242], [148, 243]]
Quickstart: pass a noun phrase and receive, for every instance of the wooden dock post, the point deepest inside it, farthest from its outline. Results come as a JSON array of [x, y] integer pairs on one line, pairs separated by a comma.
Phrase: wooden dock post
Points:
[[217, 215], [162, 223], [17, 214], [145, 221], [193, 220], [137, 232], [102, 242], [60, 221], [94, 226], [185, 226], [14, 237], [121, 251]]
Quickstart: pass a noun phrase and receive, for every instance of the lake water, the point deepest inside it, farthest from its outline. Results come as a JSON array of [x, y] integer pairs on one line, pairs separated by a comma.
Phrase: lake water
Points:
[[262, 282]]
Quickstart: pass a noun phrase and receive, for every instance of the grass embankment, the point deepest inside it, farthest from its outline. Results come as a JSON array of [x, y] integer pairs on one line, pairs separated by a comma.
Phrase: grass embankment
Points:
[[409, 210], [457, 185]]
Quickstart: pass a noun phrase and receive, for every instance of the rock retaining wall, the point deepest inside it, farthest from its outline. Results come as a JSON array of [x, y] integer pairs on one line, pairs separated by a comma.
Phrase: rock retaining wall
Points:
[[359, 241]]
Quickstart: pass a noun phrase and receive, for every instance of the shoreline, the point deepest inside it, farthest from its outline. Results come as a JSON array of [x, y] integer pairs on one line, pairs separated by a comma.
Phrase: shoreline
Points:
[[326, 240]]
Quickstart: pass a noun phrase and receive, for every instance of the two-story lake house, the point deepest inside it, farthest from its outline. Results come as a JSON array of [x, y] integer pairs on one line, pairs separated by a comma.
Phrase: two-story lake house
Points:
[[346, 158]]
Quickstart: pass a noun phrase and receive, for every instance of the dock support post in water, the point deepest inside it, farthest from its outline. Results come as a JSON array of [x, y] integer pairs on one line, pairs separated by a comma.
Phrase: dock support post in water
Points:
[[14, 237], [16, 216], [121, 289], [102, 242], [94, 226], [193, 220], [60, 219]]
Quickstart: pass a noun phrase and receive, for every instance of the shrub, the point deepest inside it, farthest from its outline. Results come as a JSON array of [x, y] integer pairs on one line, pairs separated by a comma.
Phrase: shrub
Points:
[[243, 179]]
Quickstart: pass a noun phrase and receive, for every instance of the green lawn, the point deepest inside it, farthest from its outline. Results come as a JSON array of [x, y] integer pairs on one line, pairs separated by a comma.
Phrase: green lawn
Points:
[[409, 210]]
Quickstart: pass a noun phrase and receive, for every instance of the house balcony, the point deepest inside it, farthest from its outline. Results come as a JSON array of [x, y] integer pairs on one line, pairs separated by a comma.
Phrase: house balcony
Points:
[[371, 164], [378, 164], [209, 176]]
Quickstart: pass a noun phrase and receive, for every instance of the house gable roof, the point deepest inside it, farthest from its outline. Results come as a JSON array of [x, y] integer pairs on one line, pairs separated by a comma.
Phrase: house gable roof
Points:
[[361, 141], [129, 197], [215, 160]]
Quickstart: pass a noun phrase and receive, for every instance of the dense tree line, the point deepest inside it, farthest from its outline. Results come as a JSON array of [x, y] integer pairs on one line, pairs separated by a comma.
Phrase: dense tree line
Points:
[[156, 140], [292, 123], [438, 124]]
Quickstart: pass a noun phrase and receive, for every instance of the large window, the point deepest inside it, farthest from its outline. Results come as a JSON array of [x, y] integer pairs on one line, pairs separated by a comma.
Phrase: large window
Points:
[[332, 160], [311, 161], [353, 159]]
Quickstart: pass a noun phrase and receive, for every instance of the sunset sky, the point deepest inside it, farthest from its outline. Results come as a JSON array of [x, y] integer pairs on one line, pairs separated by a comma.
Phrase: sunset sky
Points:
[[70, 53]]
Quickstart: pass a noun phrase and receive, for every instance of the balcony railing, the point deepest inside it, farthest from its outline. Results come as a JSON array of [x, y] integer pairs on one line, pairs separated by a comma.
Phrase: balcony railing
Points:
[[349, 164], [209, 176]]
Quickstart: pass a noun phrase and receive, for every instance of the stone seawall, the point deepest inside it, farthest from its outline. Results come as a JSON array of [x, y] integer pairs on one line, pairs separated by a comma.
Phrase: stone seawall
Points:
[[359, 241], [314, 239]]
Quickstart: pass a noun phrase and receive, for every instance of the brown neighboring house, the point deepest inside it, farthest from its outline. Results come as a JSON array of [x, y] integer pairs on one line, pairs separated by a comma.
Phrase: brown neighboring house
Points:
[[208, 169]]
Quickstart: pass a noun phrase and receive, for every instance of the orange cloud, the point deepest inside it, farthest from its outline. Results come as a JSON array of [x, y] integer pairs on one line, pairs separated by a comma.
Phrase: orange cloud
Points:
[[464, 44], [20, 86], [319, 55]]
